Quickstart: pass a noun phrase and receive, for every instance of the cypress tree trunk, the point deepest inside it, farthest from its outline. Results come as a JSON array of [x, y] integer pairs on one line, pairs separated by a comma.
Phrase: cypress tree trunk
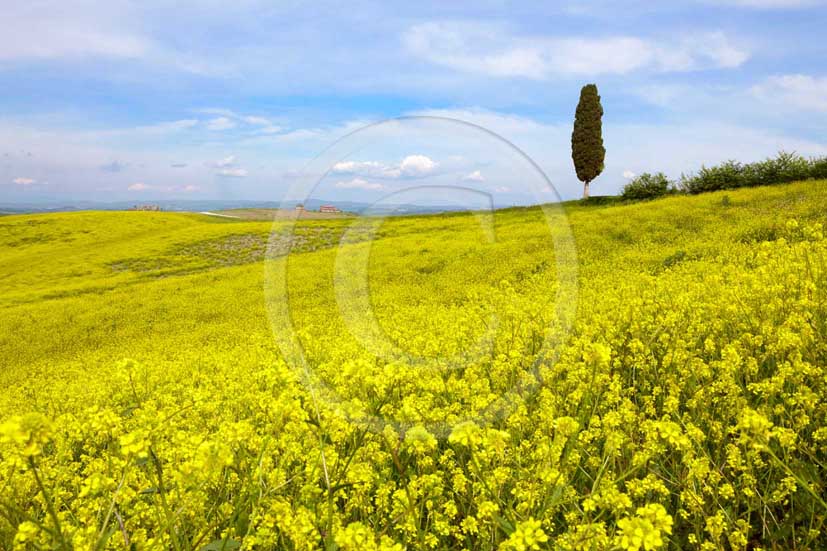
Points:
[[585, 190]]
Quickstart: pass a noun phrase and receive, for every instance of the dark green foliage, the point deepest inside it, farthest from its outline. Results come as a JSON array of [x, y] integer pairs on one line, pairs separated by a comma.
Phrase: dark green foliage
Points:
[[786, 167], [818, 168], [674, 259], [646, 186], [758, 235], [587, 149], [727, 175]]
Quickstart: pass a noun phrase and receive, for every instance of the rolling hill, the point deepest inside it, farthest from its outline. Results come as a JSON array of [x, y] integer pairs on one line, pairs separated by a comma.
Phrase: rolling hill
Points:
[[563, 378]]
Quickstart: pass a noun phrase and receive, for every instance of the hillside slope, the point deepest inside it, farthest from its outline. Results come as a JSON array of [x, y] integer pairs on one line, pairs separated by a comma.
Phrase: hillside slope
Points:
[[686, 398]]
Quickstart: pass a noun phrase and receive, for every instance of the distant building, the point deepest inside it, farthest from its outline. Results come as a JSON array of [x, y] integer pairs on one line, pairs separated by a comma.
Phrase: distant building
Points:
[[300, 208], [328, 208], [146, 207]]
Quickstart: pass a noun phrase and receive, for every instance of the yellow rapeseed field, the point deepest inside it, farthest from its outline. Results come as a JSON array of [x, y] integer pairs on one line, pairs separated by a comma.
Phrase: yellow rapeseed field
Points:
[[149, 401]]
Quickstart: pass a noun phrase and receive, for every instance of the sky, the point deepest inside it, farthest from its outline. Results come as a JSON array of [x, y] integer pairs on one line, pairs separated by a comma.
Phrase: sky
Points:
[[262, 99]]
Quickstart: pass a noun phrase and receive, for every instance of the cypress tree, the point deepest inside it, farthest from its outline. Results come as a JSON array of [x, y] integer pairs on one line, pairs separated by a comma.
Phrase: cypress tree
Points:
[[587, 149]]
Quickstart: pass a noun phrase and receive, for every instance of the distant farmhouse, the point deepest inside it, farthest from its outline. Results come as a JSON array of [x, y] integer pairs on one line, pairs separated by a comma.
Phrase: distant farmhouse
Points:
[[300, 208], [329, 208], [146, 207]]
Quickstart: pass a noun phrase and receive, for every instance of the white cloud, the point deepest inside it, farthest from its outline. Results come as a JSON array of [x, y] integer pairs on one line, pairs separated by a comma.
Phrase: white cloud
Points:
[[475, 176], [261, 121], [270, 129], [228, 167], [226, 119], [359, 183], [709, 50], [364, 167], [412, 166], [490, 50], [140, 186], [44, 30], [666, 95], [798, 91], [171, 126], [302, 134], [149, 130], [228, 161], [24, 181], [672, 147], [505, 124], [217, 111], [317, 138], [502, 189], [628, 174], [221, 123], [232, 172]]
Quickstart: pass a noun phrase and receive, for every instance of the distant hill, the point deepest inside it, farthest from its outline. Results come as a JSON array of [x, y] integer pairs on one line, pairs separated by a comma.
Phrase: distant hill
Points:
[[222, 204]]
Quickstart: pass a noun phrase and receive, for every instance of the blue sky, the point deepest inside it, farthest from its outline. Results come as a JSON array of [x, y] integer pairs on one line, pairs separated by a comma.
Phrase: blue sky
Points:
[[214, 100]]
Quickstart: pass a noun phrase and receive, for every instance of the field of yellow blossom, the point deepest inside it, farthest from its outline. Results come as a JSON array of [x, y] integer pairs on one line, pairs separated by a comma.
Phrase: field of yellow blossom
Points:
[[149, 401]]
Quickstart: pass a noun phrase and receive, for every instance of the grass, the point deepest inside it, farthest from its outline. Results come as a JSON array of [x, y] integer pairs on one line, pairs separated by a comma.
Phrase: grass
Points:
[[147, 397]]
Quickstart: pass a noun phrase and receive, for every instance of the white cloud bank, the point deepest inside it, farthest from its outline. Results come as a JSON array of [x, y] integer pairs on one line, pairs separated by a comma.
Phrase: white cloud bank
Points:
[[412, 166], [233, 172], [226, 162], [475, 176], [141, 187], [359, 183], [221, 123], [490, 50], [260, 121], [669, 147], [24, 181], [227, 119], [52, 30], [803, 92], [228, 167]]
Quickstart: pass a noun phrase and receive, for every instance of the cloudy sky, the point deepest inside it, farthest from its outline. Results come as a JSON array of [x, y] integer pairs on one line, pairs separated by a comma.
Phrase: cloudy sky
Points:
[[207, 99]]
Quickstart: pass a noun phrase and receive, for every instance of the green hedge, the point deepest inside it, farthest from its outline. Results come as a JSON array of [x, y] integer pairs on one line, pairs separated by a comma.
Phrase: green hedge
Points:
[[785, 167], [647, 186]]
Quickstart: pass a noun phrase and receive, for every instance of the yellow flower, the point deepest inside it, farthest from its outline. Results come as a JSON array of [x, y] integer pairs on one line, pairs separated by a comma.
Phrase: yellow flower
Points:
[[27, 533], [135, 443], [356, 537], [527, 536], [420, 440], [598, 355], [645, 529], [28, 433], [466, 434]]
